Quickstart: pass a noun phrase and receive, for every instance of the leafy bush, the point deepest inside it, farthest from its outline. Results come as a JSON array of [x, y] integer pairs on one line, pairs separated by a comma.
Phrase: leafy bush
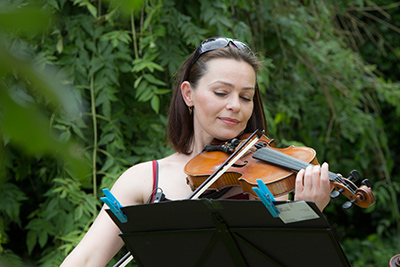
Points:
[[85, 87]]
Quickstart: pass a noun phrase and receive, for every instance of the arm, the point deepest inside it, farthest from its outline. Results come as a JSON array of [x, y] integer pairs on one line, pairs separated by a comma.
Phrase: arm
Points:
[[101, 242], [312, 184]]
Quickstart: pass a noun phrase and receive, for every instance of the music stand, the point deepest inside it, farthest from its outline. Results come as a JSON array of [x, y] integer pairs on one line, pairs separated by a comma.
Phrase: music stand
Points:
[[225, 233]]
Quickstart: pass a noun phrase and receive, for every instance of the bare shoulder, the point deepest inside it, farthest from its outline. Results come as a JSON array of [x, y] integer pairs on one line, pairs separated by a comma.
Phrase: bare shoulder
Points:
[[175, 159], [134, 186], [173, 164]]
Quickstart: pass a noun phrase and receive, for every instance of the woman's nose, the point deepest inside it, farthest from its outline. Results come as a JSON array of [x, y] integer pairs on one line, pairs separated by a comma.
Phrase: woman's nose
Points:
[[233, 103]]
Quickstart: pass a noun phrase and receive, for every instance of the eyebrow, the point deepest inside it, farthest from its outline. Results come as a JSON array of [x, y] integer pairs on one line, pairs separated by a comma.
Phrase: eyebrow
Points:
[[231, 85]]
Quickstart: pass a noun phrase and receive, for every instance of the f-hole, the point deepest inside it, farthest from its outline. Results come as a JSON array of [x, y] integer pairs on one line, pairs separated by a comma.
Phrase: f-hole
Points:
[[240, 165]]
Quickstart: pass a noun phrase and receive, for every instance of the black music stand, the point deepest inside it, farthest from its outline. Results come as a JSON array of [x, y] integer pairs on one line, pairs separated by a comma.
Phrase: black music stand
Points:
[[225, 233]]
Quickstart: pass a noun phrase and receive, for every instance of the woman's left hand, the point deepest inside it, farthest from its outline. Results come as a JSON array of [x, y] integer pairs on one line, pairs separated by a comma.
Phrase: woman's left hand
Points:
[[312, 184]]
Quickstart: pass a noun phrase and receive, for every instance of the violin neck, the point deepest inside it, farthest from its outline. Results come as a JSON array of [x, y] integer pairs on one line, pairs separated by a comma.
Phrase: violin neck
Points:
[[282, 160]]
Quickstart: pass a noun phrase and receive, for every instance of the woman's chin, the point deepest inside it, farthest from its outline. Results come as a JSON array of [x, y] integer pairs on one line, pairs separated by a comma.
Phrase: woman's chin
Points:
[[229, 134]]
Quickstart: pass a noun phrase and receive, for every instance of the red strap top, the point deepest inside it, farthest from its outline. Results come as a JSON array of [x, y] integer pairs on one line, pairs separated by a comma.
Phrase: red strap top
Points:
[[155, 180]]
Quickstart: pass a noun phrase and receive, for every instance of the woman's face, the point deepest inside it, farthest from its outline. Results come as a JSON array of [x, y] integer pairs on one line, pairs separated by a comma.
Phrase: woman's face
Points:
[[223, 100]]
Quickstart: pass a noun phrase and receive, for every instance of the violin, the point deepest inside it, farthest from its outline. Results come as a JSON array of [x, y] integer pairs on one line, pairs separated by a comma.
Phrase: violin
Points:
[[276, 167], [395, 261]]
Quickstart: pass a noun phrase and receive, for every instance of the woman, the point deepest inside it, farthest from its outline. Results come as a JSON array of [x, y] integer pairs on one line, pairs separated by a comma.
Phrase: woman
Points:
[[216, 97]]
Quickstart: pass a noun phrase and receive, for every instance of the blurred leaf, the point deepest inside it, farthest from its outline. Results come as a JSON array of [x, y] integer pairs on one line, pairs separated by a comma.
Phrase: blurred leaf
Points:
[[31, 241], [29, 129], [12, 200], [317, 92], [24, 19], [45, 83], [155, 103], [129, 5]]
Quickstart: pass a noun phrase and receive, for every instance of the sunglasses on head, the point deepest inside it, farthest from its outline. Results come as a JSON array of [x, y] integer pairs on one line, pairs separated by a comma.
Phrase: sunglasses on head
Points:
[[214, 43]]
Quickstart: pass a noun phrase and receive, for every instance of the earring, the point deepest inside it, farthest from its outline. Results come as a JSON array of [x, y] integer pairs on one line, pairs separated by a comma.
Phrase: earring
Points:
[[190, 109]]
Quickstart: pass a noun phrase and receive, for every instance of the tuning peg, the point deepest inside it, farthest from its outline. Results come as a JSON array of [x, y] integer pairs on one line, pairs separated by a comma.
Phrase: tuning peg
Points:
[[336, 193], [348, 204], [367, 183], [354, 176]]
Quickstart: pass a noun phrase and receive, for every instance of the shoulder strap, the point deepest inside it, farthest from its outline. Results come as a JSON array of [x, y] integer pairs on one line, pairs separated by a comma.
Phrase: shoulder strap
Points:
[[155, 180]]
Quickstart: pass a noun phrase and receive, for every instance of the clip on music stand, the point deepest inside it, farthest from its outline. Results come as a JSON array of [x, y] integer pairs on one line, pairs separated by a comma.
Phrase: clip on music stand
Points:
[[225, 233]]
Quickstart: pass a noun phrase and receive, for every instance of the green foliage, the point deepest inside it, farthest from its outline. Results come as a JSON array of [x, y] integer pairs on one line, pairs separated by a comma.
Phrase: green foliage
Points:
[[371, 251], [89, 82], [64, 215]]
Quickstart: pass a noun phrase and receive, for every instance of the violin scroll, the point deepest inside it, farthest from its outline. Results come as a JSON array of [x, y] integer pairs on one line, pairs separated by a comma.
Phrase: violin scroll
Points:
[[362, 196], [395, 261]]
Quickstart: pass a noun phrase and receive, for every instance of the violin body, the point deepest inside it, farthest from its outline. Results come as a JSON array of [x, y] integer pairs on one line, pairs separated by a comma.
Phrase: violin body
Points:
[[247, 170]]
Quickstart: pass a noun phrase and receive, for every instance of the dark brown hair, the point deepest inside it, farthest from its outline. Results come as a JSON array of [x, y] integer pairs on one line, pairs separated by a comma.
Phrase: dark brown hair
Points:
[[180, 122]]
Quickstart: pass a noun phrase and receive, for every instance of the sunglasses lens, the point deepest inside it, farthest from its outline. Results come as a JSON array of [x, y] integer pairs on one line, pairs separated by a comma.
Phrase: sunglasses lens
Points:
[[242, 46], [212, 44], [216, 43]]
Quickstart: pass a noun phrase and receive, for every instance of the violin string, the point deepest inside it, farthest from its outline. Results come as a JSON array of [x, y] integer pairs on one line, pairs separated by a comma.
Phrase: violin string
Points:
[[281, 159], [338, 179], [288, 160]]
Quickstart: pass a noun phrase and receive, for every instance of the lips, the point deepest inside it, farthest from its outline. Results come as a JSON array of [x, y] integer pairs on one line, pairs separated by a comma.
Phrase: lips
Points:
[[229, 121]]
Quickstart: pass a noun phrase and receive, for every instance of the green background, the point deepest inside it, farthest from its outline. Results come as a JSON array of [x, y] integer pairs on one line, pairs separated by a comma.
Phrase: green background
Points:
[[85, 87]]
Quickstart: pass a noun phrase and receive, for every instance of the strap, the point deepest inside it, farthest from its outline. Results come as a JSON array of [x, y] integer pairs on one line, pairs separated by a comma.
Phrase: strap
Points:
[[155, 180]]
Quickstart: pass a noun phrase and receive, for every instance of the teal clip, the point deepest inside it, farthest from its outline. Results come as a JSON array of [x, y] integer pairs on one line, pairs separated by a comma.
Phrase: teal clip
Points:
[[114, 205], [266, 197]]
